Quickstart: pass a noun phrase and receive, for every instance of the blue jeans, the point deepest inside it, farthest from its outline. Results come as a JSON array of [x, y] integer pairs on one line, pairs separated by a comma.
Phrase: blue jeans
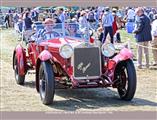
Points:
[[107, 30]]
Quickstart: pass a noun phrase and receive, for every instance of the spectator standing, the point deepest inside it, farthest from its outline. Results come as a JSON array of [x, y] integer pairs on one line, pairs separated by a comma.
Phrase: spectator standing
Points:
[[143, 36], [84, 25], [114, 25], [34, 15], [27, 21], [83, 20], [61, 15], [6, 20], [116, 33], [154, 40], [91, 19], [15, 20], [27, 26], [130, 15], [78, 14], [107, 21], [57, 20], [20, 24]]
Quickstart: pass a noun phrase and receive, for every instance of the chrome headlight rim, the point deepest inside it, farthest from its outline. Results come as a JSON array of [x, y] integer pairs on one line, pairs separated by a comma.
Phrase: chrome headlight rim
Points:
[[61, 52], [110, 49]]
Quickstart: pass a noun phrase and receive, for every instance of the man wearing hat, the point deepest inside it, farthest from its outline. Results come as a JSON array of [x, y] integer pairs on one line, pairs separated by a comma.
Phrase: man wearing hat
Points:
[[107, 21], [47, 32], [83, 20]]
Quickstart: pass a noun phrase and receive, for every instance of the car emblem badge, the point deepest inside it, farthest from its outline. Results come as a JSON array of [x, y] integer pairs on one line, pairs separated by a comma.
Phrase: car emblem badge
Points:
[[83, 67]]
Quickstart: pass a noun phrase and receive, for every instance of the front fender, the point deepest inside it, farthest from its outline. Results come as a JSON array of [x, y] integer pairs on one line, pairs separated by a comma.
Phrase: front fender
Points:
[[45, 55], [20, 54], [123, 55]]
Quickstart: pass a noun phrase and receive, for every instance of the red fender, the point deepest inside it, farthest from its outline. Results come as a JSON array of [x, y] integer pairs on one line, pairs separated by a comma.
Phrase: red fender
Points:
[[124, 54], [45, 55], [21, 59]]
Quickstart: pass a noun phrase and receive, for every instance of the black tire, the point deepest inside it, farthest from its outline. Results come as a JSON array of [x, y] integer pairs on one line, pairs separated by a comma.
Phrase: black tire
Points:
[[20, 79], [46, 83], [127, 80]]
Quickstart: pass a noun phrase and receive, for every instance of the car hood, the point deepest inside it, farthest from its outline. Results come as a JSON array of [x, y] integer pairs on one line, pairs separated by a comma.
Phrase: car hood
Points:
[[58, 42]]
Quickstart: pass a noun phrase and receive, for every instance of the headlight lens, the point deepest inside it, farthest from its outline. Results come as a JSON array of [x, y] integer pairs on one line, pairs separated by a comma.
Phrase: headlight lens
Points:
[[66, 51], [108, 49]]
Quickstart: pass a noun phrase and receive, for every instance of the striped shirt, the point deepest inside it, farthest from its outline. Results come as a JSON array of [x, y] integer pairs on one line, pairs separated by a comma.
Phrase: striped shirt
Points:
[[42, 34]]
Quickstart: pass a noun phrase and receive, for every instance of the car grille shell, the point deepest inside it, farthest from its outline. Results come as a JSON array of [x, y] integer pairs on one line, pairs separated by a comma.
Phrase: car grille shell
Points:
[[87, 63]]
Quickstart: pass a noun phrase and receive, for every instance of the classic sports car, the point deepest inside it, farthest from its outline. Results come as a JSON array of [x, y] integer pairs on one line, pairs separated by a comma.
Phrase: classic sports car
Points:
[[73, 59]]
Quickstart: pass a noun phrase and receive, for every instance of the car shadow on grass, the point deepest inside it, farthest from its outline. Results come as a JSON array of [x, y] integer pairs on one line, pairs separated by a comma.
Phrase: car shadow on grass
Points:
[[90, 98], [93, 99]]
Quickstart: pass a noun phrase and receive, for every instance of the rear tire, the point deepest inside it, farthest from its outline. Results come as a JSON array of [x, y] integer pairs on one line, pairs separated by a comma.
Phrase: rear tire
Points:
[[20, 79], [127, 80], [46, 83]]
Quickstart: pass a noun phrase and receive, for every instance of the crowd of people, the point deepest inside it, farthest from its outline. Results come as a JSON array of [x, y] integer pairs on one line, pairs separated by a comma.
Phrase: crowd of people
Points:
[[103, 20]]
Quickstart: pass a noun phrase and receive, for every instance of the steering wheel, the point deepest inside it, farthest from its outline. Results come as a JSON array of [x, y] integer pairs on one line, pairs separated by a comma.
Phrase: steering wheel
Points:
[[56, 34], [42, 38]]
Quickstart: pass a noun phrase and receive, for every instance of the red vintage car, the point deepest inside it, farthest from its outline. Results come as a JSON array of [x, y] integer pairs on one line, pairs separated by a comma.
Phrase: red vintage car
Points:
[[73, 59]]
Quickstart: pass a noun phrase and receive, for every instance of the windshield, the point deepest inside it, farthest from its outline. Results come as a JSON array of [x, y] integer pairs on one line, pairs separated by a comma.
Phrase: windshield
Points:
[[50, 31]]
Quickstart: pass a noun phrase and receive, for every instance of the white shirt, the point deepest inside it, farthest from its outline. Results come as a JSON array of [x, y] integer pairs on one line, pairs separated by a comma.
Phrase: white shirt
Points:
[[154, 28], [83, 22], [130, 14]]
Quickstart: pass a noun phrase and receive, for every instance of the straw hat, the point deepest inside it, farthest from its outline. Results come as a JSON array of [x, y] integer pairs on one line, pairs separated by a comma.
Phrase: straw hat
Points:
[[48, 21]]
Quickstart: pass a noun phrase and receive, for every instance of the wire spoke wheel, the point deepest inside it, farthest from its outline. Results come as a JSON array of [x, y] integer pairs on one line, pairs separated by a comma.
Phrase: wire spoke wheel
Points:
[[126, 80], [19, 78], [46, 83]]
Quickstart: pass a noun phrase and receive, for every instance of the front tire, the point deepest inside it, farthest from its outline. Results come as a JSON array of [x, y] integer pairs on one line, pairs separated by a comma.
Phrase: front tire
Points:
[[46, 83], [126, 80], [20, 79]]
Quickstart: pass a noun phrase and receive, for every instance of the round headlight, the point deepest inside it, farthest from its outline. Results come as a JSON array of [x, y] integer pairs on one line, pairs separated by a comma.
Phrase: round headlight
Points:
[[66, 51], [108, 49]]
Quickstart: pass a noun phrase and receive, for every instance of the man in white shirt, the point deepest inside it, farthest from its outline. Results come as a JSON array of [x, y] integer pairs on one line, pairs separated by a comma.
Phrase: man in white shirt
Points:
[[84, 25], [83, 20], [154, 40], [130, 15]]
